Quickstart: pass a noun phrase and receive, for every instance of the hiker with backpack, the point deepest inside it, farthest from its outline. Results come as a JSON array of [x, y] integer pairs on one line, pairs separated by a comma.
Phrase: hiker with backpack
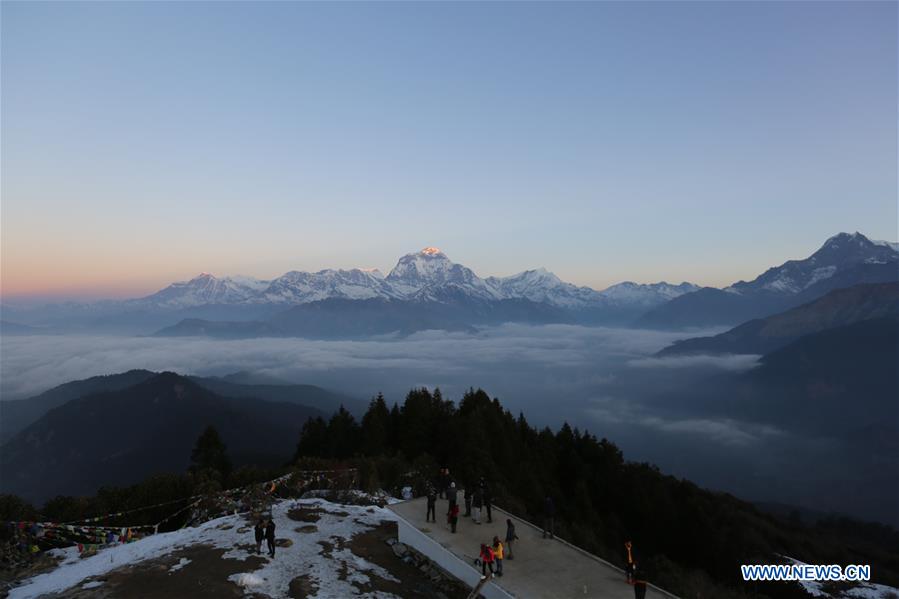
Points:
[[510, 536]]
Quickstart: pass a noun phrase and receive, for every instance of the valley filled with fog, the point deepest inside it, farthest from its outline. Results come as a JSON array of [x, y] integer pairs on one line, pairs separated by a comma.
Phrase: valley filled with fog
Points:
[[605, 380]]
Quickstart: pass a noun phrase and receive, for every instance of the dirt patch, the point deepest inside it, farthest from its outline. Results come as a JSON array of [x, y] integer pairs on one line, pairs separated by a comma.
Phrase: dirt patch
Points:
[[327, 548], [205, 576], [302, 587], [305, 514], [371, 546], [306, 529]]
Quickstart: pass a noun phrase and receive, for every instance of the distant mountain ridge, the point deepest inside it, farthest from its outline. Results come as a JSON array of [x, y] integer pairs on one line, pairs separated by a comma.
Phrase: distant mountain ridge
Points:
[[427, 290], [16, 415], [843, 261], [419, 276], [122, 436], [838, 308]]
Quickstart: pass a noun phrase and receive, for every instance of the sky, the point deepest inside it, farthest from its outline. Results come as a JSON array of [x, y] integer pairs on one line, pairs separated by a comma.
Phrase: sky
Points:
[[147, 142]]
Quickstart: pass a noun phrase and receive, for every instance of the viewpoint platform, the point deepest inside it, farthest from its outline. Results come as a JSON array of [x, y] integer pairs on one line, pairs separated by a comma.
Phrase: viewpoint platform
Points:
[[542, 568]]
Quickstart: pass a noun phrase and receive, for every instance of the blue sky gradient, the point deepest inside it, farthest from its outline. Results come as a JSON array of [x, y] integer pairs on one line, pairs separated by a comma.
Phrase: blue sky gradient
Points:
[[146, 142]]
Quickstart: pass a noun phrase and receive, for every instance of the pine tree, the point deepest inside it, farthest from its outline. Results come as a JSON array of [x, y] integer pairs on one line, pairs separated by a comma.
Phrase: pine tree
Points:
[[376, 427], [210, 455]]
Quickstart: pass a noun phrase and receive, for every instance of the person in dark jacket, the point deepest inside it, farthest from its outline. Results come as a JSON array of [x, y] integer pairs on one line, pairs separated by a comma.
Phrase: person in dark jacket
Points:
[[259, 530], [485, 495], [549, 518], [467, 501], [451, 493], [270, 537], [639, 583], [431, 516], [476, 502], [510, 536]]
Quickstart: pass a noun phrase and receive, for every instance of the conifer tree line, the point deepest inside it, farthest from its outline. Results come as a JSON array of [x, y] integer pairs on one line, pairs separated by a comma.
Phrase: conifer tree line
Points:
[[690, 540]]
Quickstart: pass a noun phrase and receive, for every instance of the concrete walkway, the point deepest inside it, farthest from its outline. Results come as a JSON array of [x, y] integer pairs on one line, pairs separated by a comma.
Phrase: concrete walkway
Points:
[[541, 568]]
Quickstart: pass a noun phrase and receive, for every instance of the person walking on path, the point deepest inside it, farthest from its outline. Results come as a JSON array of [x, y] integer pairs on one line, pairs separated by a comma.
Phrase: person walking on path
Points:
[[270, 537], [476, 503], [510, 537], [467, 501], [549, 518], [485, 496], [629, 562], [498, 555], [452, 516], [486, 558], [431, 516], [259, 531]]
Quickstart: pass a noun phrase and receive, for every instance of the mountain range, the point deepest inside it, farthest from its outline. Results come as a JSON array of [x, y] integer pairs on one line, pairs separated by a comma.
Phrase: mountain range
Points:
[[838, 308], [844, 260], [427, 275], [428, 290], [129, 426]]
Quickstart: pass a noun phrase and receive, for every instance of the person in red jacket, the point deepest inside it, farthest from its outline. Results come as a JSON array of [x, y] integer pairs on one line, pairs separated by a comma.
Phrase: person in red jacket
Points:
[[452, 516], [486, 558]]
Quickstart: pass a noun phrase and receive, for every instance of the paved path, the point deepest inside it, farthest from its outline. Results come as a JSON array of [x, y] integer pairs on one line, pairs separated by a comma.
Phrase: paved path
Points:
[[541, 568]]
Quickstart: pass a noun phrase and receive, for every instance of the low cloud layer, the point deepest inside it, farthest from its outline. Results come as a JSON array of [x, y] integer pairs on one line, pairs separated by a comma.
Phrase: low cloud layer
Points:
[[31, 364], [603, 380]]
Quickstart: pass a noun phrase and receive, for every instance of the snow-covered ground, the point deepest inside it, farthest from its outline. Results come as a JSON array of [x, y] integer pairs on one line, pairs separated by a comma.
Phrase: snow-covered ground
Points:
[[859, 590], [316, 550]]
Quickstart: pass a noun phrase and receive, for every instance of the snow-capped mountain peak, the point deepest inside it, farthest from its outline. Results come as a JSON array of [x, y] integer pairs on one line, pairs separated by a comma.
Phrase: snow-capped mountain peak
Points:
[[838, 254], [431, 267], [203, 289], [425, 275], [629, 292], [890, 244]]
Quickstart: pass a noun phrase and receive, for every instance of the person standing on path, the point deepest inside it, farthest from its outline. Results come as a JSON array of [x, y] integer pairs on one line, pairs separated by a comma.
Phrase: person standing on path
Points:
[[485, 496], [467, 501], [549, 518], [510, 537], [259, 531], [498, 555], [431, 516], [486, 558], [270, 537], [452, 516], [451, 494], [476, 503], [629, 562], [639, 583]]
